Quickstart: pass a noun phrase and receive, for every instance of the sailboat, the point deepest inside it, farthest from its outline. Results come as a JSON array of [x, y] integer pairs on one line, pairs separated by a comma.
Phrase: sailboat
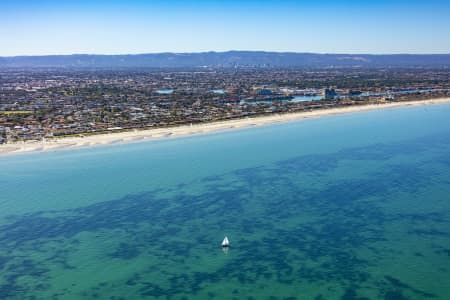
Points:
[[225, 242]]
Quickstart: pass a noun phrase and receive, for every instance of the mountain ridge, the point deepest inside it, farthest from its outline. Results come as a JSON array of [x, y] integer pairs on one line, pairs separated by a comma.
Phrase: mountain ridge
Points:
[[226, 59]]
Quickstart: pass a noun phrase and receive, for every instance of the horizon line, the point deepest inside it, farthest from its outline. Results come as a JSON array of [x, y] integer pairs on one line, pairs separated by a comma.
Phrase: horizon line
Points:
[[215, 51]]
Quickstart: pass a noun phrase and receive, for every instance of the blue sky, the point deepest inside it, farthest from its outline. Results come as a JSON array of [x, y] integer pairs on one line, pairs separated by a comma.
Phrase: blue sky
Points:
[[138, 26]]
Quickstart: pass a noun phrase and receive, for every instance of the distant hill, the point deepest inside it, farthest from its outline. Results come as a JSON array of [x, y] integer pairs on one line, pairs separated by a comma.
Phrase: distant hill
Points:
[[227, 59]]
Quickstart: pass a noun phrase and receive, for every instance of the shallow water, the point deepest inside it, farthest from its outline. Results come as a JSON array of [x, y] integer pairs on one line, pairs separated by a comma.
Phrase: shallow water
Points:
[[346, 207]]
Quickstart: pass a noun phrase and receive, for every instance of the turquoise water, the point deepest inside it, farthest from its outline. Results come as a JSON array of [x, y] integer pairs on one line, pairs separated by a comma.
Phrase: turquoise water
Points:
[[219, 91], [300, 98], [346, 207], [165, 91]]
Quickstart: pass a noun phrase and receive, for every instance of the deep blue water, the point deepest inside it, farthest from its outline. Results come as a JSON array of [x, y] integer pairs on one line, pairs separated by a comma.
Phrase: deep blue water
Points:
[[352, 206]]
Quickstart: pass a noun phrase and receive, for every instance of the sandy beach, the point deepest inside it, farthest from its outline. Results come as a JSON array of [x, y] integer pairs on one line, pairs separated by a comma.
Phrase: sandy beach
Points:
[[56, 144]]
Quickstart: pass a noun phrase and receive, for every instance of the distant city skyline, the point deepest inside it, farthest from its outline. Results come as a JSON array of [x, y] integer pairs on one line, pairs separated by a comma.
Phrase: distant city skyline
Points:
[[50, 27]]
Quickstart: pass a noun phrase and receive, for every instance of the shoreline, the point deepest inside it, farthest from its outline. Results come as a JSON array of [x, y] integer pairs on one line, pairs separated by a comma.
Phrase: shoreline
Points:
[[67, 143]]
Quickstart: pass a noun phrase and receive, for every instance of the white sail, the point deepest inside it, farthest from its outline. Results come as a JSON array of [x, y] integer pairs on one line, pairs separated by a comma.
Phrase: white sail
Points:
[[225, 242]]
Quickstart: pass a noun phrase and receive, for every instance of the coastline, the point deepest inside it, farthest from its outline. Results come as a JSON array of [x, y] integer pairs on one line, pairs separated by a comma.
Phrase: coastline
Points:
[[66, 143]]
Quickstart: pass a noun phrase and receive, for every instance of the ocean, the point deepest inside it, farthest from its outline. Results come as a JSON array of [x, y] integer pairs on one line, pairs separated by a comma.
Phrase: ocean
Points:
[[353, 206]]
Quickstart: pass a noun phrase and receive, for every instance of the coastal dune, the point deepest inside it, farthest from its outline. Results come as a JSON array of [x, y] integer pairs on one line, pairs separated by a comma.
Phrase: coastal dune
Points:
[[55, 144]]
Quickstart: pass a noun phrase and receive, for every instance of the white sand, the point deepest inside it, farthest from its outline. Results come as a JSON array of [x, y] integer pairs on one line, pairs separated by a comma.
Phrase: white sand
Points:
[[159, 133]]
